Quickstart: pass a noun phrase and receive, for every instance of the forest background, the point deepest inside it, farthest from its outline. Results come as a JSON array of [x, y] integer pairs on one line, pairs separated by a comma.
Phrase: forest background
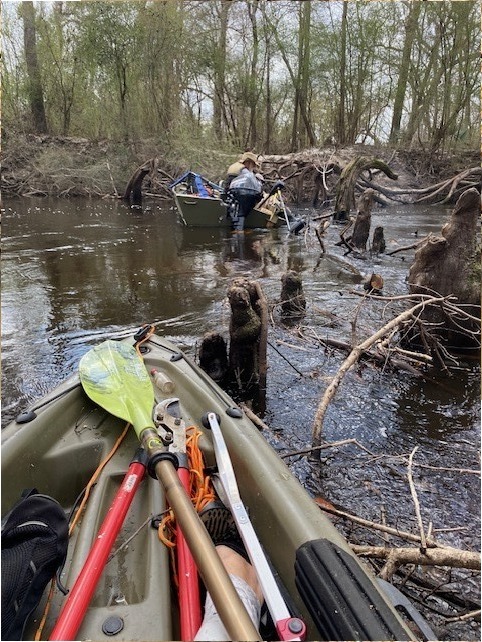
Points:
[[196, 81]]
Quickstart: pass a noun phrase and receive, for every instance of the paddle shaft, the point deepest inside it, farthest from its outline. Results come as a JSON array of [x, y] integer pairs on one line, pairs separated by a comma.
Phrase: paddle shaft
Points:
[[228, 603], [81, 593]]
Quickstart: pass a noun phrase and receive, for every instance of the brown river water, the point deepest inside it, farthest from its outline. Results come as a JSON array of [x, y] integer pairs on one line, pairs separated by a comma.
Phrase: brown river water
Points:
[[75, 272]]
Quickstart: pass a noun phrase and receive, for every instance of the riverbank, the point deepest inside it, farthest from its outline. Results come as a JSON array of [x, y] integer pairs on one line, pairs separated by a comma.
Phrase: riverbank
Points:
[[69, 167]]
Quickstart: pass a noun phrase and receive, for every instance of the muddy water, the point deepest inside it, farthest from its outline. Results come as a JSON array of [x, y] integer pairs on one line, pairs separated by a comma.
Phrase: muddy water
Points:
[[76, 272]]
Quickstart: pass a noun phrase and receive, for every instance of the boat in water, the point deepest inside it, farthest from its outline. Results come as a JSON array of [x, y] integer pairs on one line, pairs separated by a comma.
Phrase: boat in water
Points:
[[146, 389], [202, 203]]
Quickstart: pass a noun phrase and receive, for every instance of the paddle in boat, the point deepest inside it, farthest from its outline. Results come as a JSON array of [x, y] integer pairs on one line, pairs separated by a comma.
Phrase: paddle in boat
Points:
[[152, 463], [202, 203]]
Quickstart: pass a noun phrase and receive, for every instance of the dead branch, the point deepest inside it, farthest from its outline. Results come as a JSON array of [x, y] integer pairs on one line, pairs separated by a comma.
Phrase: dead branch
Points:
[[354, 356], [406, 247], [390, 530], [466, 616], [395, 557], [413, 491], [332, 444], [259, 423], [450, 184]]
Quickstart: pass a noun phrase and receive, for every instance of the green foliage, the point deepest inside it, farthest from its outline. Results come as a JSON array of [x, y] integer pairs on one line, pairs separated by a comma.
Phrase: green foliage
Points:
[[195, 73]]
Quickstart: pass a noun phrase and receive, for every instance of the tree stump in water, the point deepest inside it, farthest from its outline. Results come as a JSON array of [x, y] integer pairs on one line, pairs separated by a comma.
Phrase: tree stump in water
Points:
[[345, 192], [245, 330], [133, 192], [378, 243], [449, 264], [361, 229], [213, 356], [293, 302], [374, 284]]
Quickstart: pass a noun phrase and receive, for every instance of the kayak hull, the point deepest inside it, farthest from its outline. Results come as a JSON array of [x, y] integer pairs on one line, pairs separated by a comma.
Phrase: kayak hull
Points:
[[58, 451]]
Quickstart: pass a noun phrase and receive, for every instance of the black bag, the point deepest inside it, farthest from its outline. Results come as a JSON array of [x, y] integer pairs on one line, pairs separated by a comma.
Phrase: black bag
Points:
[[34, 545]]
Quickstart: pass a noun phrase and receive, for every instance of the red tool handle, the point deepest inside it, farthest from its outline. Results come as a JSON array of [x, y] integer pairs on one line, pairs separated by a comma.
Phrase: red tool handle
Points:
[[81, 593], [189, 600]]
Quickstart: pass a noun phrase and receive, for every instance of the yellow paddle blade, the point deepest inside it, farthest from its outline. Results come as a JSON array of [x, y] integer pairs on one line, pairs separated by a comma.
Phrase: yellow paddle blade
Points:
[[113, 375]]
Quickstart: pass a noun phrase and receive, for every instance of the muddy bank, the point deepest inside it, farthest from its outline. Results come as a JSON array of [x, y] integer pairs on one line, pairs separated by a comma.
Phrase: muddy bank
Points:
[[68, 167]]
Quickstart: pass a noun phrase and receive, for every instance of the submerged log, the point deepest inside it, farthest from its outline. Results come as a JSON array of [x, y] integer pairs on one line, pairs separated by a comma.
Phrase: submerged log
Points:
[[361, 229], [449, 264], [345, 193]]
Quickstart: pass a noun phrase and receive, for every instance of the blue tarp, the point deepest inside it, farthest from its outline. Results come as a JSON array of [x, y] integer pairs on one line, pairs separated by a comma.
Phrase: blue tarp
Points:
[[197, 182]]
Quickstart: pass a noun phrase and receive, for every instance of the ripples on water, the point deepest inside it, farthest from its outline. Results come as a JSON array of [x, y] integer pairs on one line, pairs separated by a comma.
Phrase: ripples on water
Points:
[[76, 272]]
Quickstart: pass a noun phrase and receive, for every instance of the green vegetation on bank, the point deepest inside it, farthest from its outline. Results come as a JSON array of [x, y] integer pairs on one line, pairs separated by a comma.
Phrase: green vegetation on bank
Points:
[[219, 75]]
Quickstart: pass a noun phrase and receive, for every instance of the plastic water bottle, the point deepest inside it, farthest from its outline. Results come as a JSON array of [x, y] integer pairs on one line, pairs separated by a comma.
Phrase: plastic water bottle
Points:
[[162, 382]]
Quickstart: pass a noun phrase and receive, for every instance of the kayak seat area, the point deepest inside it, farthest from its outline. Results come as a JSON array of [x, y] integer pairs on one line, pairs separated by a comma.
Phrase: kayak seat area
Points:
[[341, 599]]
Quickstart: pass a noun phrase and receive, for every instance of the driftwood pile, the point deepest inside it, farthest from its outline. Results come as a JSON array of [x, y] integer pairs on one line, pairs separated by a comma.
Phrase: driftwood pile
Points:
[[323, 176]]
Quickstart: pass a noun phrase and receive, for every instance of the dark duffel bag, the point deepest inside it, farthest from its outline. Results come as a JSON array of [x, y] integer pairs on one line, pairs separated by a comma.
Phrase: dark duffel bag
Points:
[[34, 546]]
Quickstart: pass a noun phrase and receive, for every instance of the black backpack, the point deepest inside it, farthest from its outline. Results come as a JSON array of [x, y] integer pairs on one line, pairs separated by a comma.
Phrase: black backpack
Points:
[[34, 545]]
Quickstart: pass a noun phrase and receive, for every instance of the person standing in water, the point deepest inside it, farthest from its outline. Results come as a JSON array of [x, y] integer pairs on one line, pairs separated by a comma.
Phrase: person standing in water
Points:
[[246, 187]]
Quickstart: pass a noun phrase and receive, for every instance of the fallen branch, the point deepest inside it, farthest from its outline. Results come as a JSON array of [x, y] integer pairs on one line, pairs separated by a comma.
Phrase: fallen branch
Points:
[[413, 491], [406, 247], [395, 557], [390, 530], [354, 356], [465, 616], [259, 423]]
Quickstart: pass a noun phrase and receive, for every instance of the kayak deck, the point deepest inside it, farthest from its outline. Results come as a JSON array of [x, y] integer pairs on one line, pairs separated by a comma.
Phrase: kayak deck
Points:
[[58, 451]]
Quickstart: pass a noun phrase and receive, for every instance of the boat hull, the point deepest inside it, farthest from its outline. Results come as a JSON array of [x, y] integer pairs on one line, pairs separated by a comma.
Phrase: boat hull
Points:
[[201, 211], [58, 451]]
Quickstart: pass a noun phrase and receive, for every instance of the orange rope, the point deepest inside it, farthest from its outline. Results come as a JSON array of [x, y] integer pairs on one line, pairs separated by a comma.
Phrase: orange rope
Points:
[[73, 524], [150, 332], [94, 477], [201, 490]]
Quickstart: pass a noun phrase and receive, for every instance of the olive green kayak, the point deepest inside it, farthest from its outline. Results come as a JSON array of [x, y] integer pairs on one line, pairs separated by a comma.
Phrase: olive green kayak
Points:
[[57, 446]]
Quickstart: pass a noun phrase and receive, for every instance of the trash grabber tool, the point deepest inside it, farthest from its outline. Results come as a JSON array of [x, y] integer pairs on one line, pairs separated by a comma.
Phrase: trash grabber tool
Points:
[[172, 430], [287, 627], [79, 596], [115, 377]]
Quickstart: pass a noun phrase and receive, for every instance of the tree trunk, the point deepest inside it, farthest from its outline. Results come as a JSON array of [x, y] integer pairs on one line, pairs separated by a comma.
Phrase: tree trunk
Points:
[[410, 24], [219, 71], [345, 192], [340, 132], [213, 356], [378, 242], [133, 191], [448, 264], [293, 301], [35, 89], [244, 332], [361, 229], [296, 84], [252, 134]]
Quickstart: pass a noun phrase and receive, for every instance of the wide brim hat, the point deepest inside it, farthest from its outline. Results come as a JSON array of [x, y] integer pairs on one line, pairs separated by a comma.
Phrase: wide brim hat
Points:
[[250, 156]]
